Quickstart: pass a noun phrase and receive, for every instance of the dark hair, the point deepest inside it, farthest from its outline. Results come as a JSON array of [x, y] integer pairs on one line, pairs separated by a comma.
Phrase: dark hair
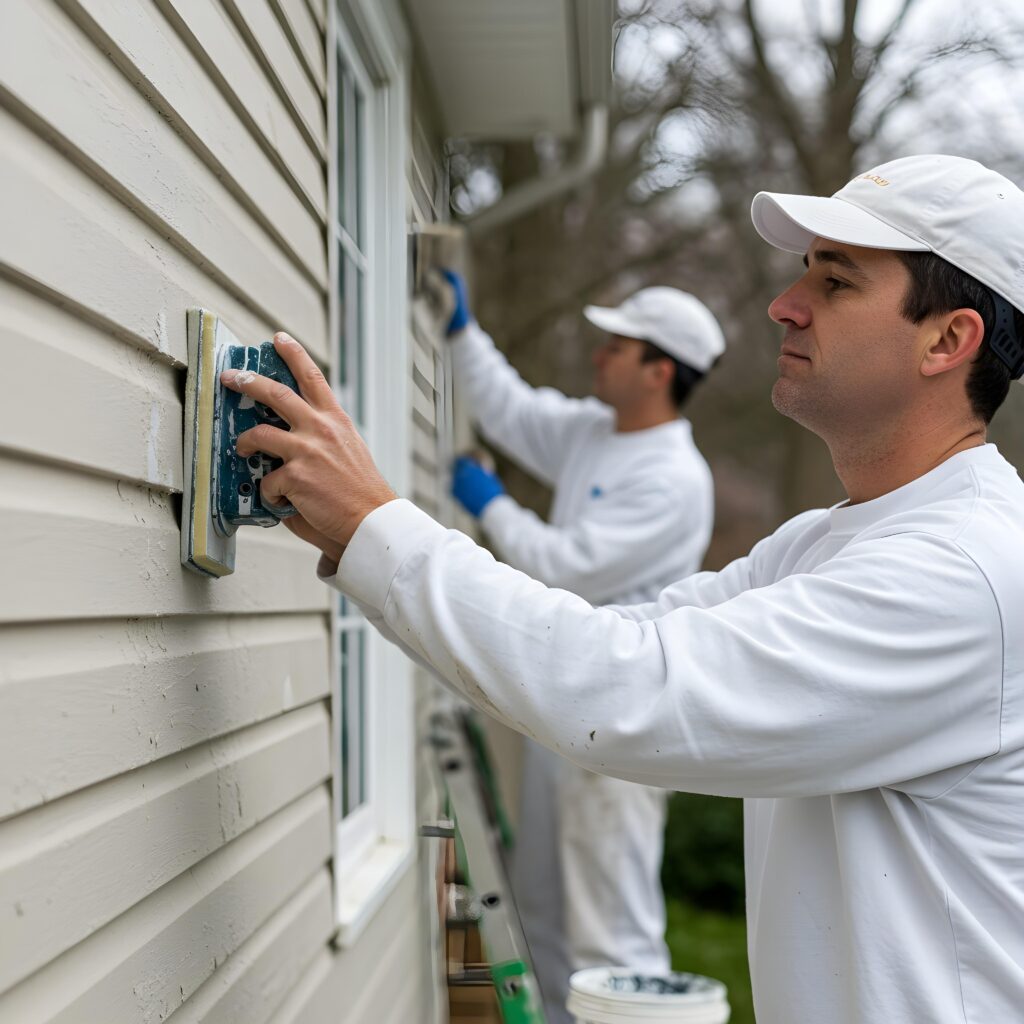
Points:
[[936, 287], [686, 378]]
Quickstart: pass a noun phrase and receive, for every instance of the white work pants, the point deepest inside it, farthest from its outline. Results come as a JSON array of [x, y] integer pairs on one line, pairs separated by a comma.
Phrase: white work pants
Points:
[[612, 837], [537, 878], [587, 873]]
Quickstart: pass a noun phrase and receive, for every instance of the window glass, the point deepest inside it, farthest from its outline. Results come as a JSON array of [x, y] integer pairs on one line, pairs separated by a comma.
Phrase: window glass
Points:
[[352, 720], [350, 382]]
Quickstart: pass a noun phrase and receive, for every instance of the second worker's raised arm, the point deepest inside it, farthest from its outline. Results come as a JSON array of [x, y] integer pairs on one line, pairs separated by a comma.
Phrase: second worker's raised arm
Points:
[[532, 426]]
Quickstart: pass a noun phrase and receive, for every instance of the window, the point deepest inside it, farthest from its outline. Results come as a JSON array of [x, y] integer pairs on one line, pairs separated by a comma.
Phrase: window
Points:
[[351, 243], [372, 705]]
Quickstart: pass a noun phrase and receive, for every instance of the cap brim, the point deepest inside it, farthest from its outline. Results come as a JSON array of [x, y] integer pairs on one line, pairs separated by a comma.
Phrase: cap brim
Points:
[[791, 223], [610, 320]]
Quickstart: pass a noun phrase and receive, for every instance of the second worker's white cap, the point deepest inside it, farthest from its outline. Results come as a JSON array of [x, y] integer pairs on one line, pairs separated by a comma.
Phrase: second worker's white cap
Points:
[[958, 209], [679, 324]]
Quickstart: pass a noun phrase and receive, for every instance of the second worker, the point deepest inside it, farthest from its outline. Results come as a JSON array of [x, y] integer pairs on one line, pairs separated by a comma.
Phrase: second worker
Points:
[[632, 512]]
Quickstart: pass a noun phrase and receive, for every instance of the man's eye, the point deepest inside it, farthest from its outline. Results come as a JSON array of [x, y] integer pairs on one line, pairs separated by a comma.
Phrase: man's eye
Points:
[[834, 284]]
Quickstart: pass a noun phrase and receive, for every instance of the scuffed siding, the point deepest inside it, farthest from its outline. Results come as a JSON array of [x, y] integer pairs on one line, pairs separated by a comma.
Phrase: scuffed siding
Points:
[[165, 811]]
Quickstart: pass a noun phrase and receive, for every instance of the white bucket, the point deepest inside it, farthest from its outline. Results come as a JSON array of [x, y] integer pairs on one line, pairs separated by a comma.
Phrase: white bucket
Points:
[[617, 995]]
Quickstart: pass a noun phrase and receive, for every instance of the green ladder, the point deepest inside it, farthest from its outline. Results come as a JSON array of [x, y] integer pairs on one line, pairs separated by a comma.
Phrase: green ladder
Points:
[[480, 829]]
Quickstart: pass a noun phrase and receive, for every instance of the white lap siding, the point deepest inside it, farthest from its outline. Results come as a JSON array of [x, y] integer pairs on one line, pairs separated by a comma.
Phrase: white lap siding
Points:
[[166, 821]]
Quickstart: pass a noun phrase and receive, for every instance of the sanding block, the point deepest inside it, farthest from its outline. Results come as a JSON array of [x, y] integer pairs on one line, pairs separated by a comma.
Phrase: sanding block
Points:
[[222, 489]]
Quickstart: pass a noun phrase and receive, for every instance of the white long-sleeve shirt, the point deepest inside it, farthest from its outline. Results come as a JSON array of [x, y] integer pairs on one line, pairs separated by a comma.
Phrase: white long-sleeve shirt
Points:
[[631, 512], [859, 677]]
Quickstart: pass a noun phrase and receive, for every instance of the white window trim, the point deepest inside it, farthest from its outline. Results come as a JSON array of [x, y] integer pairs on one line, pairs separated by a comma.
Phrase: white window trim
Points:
[[375, 844]]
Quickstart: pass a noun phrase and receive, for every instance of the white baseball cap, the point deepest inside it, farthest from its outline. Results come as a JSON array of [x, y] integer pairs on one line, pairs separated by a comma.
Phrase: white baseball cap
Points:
[[679, 324], [958, 209]]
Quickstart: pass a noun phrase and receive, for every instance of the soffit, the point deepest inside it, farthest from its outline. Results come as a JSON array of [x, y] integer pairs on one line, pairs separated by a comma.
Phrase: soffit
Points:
[[502, 69]]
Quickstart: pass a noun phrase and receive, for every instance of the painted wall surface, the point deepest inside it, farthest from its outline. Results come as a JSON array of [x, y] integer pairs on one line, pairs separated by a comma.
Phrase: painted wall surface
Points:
[[166, 821]]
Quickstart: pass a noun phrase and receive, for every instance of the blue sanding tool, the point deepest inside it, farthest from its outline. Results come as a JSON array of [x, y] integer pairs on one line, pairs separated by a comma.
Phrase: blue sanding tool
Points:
[[221, 488]]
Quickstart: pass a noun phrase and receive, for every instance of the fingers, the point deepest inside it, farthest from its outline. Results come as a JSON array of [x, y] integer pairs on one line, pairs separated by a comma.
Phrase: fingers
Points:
[[313, 386], [312, 383], [270, 440], [271, 393], [274, 487]]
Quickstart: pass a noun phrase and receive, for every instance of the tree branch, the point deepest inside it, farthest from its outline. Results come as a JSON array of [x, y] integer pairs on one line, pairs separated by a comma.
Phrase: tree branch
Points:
[[773, 87], [883, 45]]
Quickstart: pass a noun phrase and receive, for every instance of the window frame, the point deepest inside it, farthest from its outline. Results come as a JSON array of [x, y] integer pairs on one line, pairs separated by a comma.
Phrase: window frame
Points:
[[374, 843]]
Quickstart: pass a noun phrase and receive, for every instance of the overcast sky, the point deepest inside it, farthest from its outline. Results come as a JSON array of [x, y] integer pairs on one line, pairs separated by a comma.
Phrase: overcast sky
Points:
[[971, 107]]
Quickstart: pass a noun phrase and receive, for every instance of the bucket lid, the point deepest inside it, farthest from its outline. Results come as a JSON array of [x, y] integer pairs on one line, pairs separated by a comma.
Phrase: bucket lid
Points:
[[631, 988]]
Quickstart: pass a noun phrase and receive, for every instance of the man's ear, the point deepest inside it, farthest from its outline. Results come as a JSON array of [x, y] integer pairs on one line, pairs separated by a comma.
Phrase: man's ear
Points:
[[959, 337], [663, 372]]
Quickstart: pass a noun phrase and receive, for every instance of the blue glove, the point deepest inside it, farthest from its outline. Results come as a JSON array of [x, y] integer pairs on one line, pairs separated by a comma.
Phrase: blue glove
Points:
[[461, 316], [473, 487]]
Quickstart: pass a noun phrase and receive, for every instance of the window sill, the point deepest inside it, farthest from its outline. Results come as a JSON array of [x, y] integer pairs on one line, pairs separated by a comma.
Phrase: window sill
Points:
[[367, 884]]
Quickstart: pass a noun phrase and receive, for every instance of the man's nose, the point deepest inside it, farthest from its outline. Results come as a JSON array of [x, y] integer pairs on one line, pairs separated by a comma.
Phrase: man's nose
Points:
[[791, 307]]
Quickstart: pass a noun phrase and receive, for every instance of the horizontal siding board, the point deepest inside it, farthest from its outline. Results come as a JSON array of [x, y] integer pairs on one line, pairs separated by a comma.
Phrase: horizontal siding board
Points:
[[282, 66], [257, 976], [114, 269], [426, 328], [85, 103], [306, 37], [84, 702], [123, 403], [94, 547], [423, 408], [425, 471], [318, 8], [147, 962], [70, 867], [423, 361], [355, 984], [428, 506], [215, 38], [49, 207], [406, 1005], [424, 445], [422, 183], [161, 65], [425, 486]]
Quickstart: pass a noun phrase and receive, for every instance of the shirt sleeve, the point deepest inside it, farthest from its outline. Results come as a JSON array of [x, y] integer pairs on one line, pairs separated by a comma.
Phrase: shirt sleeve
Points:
[[609, 548], [882, 665], [707, 589], [532, 426]]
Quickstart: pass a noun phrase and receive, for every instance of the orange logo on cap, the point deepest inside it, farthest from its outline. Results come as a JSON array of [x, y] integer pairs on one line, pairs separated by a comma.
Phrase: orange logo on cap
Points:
[[876, 179]]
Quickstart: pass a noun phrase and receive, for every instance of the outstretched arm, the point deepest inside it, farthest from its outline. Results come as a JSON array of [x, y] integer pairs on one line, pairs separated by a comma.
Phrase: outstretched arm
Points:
[[831, 681], [824, 682]]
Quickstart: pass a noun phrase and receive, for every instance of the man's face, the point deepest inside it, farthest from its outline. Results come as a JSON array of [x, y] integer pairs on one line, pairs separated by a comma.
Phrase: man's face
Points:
[[621, 379], [849, 359]]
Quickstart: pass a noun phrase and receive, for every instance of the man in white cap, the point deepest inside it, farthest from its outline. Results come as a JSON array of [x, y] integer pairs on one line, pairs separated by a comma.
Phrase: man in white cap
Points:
[[859, 677], [632, 512]]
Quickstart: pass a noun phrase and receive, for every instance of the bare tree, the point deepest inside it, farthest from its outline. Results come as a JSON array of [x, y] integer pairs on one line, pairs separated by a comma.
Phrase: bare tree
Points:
[[716, 101]]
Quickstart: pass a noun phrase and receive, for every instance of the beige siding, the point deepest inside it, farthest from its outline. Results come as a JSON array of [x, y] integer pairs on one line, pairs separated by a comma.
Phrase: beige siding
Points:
[[382, 991], [72, 93], [166, 821], [428, 170]]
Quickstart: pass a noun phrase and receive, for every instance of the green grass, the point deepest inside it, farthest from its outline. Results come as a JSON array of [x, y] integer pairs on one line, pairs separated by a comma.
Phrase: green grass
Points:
[[715, 944]]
